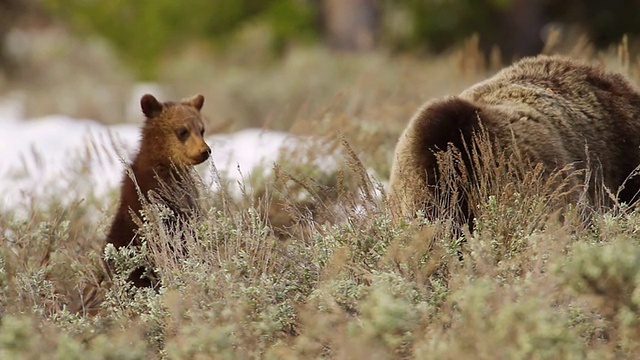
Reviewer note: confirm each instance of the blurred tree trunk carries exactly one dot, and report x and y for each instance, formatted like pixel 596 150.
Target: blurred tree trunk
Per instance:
pixel 350 25
pixel 10 11
pixel 524 20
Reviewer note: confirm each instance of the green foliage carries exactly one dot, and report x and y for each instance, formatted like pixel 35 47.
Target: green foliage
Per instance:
pixel 437 25
pixel 143 31
pixel 492 326
pixel 389 314
pixel 290 19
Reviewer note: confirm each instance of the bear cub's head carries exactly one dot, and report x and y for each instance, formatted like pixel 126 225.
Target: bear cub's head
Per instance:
pixel 176 129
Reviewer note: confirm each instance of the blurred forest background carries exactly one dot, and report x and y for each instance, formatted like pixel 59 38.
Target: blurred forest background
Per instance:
pixel 95 46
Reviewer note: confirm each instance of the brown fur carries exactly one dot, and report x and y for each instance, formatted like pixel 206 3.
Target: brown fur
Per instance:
pixel 171 142
pixel 550 109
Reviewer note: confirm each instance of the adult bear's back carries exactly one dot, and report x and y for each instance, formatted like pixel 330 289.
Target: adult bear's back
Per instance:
pixel 556 111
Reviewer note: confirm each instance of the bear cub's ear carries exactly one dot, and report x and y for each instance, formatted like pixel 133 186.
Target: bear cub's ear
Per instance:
pixel 150 106
pixel 196 101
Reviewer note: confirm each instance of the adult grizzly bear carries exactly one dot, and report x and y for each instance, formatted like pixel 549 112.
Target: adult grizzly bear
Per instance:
pixel 551 110
pixel 171 144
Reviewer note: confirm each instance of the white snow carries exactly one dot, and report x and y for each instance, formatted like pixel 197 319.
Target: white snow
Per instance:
pixel 59 155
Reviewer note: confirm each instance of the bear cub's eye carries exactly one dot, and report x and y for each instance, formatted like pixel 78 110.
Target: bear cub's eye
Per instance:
pixel 202 133
pixel 183 134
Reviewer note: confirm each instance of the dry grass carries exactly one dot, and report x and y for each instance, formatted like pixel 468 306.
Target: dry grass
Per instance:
pixel 308 264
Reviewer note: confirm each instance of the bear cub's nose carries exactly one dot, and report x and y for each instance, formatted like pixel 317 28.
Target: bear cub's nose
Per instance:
pixel 207 151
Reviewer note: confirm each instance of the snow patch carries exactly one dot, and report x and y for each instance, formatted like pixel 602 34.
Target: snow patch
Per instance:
pixel 59 155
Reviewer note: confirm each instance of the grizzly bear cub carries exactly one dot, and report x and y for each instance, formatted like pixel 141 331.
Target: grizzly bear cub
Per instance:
pixel 171 144
pixel 548 110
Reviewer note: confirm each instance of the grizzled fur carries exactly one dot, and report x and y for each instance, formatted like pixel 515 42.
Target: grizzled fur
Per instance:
pixel 552 110
pixel 171 143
